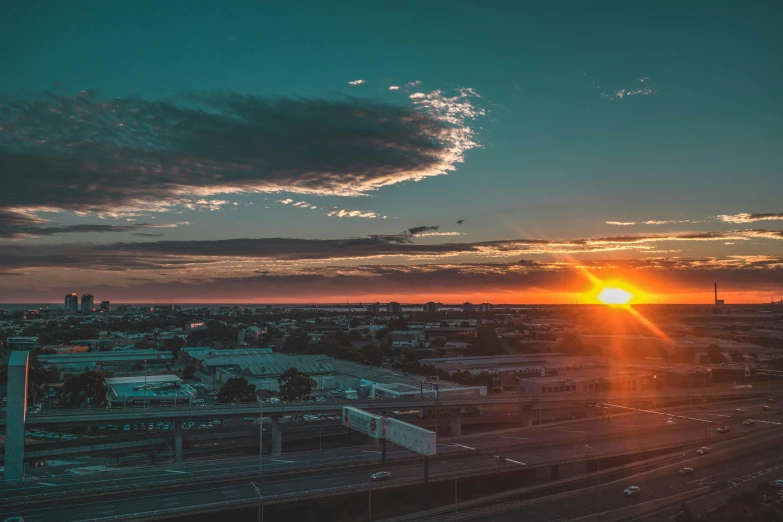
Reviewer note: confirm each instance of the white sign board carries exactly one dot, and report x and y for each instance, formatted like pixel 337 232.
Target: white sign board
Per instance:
pixel 409 436
pixel 362 421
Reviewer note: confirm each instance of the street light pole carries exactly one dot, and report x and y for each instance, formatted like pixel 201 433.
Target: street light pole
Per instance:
pixel 260 505
pixel 260 435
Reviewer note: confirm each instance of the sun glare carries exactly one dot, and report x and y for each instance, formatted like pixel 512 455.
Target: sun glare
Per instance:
pixel 614 296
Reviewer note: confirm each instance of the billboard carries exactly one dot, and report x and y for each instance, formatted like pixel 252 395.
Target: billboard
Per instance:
pixel 409 436
pixel 362 421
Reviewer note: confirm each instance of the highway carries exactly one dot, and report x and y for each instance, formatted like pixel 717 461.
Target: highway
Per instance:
pixel 725 464
pixel 561 433
pixel 522 447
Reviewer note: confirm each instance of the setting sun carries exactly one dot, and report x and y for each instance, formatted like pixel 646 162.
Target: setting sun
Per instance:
pixel 614 296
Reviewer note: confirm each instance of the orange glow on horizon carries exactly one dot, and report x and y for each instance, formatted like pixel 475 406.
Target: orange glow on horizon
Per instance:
pixel 614 296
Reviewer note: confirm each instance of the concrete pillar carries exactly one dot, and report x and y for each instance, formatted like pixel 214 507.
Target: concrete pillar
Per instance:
pixel 527 417
pixel 178 442
pixel 543 474
pixel 572 469
pixel 16 412
pixel 277 437
pixel 455 422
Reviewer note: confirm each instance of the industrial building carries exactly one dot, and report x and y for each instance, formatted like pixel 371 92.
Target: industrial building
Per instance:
pixel 125 359
pixel 585 382
pixel 152 389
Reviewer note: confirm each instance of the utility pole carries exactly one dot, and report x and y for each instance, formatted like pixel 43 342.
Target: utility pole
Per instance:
pixel 260 436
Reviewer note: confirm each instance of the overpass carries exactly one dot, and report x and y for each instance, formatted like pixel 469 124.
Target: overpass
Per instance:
pixel 524 406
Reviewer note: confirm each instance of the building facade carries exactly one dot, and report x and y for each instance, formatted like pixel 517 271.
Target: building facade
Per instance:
pixel 87 303
pixel 71 303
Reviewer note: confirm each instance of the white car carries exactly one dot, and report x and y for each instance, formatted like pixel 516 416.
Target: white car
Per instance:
pixel 632 491
pixel 671 422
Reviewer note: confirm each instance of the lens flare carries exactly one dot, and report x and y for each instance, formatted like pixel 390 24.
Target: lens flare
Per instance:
pixel 615 296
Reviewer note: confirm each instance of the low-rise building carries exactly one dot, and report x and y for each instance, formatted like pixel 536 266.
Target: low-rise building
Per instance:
pixel 407 338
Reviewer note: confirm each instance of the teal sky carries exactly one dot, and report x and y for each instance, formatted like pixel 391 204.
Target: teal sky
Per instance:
pixel 592 112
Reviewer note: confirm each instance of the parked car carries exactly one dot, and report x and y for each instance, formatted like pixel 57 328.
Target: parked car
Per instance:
pixel 380 476
pixel 739 411
pixel 703 450
pixel 722 429
pixel 767 408
pixel 632 491
pixel 749 422
pixel 778 483
pixel 685 471
pixel 671 422
pixel 38 464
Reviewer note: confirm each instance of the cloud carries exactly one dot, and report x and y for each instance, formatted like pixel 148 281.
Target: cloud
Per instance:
pixel 305 204
pixel 619 94
pixel 216 256
pixel 285 201
pixel 341 212
pixel 128 155
pixel 460 221
pixel 750 218
pixel 505 280
pixel 394 87
pixel 426 234
pixel 147 234
pixel 21 226
pixel 418 230
pixel 357 82
pixel 621 223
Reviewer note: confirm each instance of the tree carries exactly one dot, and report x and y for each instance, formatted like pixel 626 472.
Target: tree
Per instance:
pixel 142 345
pixel 87 388
pixel 295 385
pixel 53 374
pixel 189 371
pixel 297 342
pixel 36 378
pixel 174 345
pixel 736 356
pixel 714 354
pixel 380 334
pixel 237 389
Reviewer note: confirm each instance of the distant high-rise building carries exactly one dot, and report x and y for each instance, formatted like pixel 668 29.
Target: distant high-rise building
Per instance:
pixel 72 303
pixel 485 307
pixel 394 308
pixel 105 306
pixel 87 303
pixel 430 308
pixel 374 308
pixel 468 307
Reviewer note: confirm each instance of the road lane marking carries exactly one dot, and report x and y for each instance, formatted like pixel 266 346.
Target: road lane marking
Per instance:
pixel 466 447
pixel 516 438
pixel 175 471
pixel 718 415
pixel 287 461
pixel 516 462
pixel 47 484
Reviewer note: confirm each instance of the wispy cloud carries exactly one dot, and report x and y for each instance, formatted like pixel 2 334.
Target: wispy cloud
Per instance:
pixel 286 201
pixel 641 89
pixel 305 204
pixel 341 212
pixel 621 223
pixel 750 218
pixel 357 82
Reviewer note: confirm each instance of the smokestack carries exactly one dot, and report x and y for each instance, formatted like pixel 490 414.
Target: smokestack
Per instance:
pixel 716 292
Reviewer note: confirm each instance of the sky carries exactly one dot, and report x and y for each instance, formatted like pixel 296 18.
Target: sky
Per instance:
pixel 283 152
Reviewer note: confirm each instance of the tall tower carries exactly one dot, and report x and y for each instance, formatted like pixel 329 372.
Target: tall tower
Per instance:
pixel 71 303
pixel 87 303
pixel 717 301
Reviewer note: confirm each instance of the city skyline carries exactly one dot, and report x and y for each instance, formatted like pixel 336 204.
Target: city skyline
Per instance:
pixel 313 154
